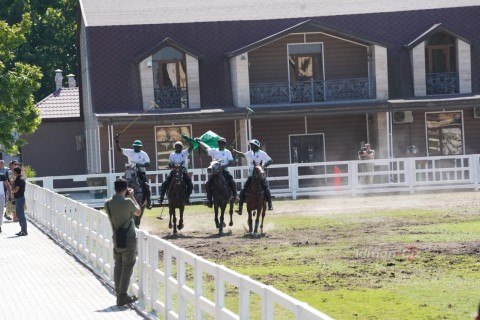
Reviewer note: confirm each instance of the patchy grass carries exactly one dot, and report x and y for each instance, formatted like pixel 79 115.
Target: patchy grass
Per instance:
pixel 354 264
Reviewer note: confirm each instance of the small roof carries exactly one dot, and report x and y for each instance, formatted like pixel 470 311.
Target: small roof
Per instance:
pixel 63 103
pixel 126 12
pixel 435 28
pixel 306 26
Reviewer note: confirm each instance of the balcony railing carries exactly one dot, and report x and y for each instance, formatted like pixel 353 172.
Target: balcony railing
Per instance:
pixel 311 91
pixel 442 83
pixel 172 97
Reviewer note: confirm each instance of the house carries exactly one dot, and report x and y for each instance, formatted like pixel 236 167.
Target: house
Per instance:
pixel 320 77
pixel 57 148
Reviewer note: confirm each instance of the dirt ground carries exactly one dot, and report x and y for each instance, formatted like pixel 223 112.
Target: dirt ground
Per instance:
pixel 200 236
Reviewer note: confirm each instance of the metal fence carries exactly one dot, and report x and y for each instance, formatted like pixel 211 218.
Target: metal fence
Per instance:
pixel 407 175
pixel 171 283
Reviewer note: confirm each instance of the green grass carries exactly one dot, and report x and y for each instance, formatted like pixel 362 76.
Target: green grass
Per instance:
pixel 328 273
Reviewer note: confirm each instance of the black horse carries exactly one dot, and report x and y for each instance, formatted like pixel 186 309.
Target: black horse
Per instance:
pixel 133 181
pixel 256 200
pixel 221 194
pixel 177 198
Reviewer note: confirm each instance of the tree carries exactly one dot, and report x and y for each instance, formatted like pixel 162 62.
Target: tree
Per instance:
pixel 51 42
pixel 18 83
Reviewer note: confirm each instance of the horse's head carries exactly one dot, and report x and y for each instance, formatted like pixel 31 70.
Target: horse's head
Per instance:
pixel 177 173
pixel 258 170
pixel 215 167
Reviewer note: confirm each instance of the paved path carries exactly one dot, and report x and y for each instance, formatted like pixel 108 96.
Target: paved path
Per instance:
pixel 40 280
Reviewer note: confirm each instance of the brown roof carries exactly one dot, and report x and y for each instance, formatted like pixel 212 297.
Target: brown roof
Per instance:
pixel 63 103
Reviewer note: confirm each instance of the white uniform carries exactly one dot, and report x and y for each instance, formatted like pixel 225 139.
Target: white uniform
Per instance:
pixel 136 157
pixel 258 156
pixel 180 158
pixel 225 156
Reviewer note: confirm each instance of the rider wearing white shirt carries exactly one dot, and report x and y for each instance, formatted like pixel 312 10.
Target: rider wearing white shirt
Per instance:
pixel 226 159
pixel 257 155
pixel 178 157
pixel 140 159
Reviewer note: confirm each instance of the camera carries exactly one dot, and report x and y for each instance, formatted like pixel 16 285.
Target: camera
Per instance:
pixel 362 150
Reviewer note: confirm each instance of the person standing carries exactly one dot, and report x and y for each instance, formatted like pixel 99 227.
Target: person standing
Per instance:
pixel 4 193
pixel 178 157
pixel 120 210
pixel 254 155
pixel 4 171
pixel 367 153
pixel 141 160
pixel 19 197
pixel 226 159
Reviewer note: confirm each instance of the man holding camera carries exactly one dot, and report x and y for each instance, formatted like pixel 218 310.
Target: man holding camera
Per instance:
pixel 366 153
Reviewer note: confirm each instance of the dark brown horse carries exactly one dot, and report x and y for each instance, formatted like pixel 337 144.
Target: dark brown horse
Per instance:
pixel 133 181
pixel 176 198
pixel 221 193
pixel 256 200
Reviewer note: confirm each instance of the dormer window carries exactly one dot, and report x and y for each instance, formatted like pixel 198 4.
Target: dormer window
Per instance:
pixel 440 64
pixel 170 78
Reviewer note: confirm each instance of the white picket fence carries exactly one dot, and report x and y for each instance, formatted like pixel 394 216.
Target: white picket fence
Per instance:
pixel 171 283
pixel 407 175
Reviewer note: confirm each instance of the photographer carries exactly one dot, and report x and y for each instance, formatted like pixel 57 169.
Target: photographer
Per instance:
pixel 366 153
pixel 120 210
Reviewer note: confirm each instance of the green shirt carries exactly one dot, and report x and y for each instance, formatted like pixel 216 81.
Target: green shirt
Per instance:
pixel 119 210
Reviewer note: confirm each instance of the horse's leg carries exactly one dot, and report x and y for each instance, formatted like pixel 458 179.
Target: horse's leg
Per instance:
pixel 171 215
pixel 222 216
pixel 257 219
pixel 174 221
pixel 221 224
pixel 263 216
pixel 217 224
pixel 180 222
pixel 231 213
pixel 250 220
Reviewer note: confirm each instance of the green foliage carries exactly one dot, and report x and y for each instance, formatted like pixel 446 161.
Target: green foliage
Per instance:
pixel 18 82
pixel 29 171
pixel 51 42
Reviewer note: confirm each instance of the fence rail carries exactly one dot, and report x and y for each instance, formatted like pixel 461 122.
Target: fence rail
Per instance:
pixel 171 283
pixel 408 175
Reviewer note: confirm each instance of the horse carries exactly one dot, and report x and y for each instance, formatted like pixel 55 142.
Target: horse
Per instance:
pixel 255 199
pixel 221 194
pixel 133 181
pixel 177 198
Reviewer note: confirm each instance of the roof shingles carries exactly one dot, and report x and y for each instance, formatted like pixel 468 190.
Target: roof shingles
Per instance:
pixel 62 104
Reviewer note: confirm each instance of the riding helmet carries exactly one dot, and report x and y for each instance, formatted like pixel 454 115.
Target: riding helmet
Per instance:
pixel 137 143
pixel 178 143
pixel 222 140
pixel 255 142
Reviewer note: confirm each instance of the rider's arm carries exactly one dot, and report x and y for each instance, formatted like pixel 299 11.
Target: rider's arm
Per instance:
pixel 237 152
pixel 117 143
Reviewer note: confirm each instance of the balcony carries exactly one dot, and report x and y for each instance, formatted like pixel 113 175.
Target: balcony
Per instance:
pixel 172 98
pixel 442 83
pixel 311 91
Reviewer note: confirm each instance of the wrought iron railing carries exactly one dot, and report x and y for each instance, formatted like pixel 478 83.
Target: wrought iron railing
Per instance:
pixel 311 91
pixel 442 83
pixel 171 97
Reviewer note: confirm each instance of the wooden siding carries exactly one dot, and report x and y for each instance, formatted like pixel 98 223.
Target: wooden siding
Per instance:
pixel 342 59
pixel 342 135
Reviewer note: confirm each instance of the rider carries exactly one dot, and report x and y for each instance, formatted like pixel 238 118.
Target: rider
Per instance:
pixel 255 155
pixel 226 159
pixel 140 159
pixel 179 156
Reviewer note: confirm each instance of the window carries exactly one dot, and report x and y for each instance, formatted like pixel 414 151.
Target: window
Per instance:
pixel 306 148
pixel 170 78
pixel 165 137
pixel 305 62
pixel 444 133
pixel 441 64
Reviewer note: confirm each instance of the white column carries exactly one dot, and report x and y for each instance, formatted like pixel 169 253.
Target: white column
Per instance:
pixel 417 58
pixel 379 55
pixel 464 66
pixel 240 81
pixel 193 83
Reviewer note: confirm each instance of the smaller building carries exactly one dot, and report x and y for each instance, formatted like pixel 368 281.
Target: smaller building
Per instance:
pixel 58 146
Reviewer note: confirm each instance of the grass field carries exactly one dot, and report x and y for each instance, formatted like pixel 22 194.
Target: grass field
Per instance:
pixel 402 257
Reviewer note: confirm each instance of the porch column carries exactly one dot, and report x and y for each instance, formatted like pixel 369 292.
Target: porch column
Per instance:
pixel 380 120
pixel 240 80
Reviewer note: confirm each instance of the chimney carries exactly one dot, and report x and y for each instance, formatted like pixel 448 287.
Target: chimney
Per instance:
pixel 58 79
pixel 71 81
